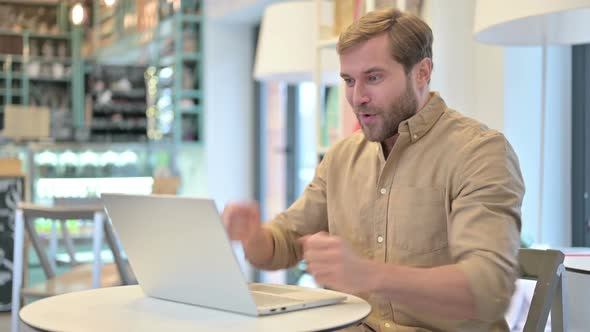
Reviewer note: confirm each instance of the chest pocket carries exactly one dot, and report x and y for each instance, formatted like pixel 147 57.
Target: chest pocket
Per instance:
pixel 419 219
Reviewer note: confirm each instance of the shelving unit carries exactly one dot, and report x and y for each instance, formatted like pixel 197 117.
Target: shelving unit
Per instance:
pixel 38 63
pixel 180 54
pixel 117 95
pixel 167 38
pixel 329 104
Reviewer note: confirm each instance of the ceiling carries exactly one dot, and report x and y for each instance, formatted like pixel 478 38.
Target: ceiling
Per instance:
pixel 237 11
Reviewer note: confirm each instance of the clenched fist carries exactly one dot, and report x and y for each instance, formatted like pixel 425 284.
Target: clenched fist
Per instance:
pixel 333 263
pixel 242 221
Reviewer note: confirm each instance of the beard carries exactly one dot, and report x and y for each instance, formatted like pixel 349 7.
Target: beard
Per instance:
pixel 401 109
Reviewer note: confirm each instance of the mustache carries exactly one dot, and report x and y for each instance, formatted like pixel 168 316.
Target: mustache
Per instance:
pixel 366 110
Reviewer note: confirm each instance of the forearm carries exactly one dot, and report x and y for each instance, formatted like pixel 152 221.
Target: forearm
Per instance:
pixel 260 249
pixel 442 291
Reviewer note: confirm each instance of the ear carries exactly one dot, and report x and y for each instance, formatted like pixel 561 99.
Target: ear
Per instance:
pixel 423 70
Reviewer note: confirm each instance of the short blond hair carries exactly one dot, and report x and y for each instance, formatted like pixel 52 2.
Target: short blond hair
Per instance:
pixel 410 38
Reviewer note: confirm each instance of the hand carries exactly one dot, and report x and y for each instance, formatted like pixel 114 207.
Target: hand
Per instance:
pixel 242 221
pixel 332 263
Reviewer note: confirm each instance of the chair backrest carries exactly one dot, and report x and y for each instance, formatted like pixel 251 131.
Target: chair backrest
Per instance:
pixel 545 266
pixel 11 167
pixel 166 185
pixel 76 201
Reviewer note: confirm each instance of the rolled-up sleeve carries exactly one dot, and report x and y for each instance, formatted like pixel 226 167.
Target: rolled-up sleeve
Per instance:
pixel 485 223
pixel 308 215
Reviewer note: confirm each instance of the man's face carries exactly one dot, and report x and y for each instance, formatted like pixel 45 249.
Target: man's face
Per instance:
pixel 377 88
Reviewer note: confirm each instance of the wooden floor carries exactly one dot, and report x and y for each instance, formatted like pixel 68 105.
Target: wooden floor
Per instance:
pixel 4 321
pixel 5 324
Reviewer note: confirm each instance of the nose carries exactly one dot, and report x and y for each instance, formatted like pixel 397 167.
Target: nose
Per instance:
pixel 359 95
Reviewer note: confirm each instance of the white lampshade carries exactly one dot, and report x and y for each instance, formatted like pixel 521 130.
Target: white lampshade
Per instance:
pixel 286 45
pixel 532 22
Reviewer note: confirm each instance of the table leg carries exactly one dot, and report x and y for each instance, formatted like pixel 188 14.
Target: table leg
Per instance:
pixel 52 252
pixel 559 308
pixel 17 268
pixel 97 246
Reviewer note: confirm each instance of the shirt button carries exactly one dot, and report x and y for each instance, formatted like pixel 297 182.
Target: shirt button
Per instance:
pixel 415 136
pixel 387 325
pixel 379 238
pixel 383 191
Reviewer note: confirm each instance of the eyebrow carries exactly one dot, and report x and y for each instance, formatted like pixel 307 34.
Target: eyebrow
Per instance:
pixel 368 71
pixel 373 70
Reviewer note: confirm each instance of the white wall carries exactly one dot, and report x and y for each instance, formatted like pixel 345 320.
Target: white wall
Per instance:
pixel 522 126
pixel 468 75
pixel 229 111
pixel 557 212
pixel 232 11
pixel 229 115
pixel 501 87
pixel 191 163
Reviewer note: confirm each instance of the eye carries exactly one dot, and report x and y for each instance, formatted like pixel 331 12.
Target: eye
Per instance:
pixel 348 81
pixel 374 78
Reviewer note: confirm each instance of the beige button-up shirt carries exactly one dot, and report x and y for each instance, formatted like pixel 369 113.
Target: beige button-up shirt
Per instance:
pixel 450 192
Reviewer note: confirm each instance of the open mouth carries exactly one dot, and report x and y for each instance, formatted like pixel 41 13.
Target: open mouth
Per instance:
pixel 367 118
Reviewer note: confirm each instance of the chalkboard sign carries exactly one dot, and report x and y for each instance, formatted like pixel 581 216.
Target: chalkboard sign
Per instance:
pixel 11 192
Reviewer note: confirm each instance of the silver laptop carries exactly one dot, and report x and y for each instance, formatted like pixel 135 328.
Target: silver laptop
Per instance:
pixel 179 250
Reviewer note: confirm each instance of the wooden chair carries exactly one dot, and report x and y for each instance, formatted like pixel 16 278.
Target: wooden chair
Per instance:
pixel 167 185
pixel 545 266
pixel 80 277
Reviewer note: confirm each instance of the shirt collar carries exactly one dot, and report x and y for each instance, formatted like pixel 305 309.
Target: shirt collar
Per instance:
pixel 419 124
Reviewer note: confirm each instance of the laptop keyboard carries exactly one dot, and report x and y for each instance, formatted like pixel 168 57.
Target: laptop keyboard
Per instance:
pixel 270 289
pixel 262 299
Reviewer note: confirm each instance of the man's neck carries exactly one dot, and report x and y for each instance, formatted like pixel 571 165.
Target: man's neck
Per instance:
pixel 388 144
pixel 423 98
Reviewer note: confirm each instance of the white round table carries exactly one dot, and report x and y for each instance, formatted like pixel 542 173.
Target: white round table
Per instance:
pixel 577 260
pixel 577 288
pixel 127 308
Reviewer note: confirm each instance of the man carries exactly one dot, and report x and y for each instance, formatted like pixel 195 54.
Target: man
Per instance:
pixel 419 214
